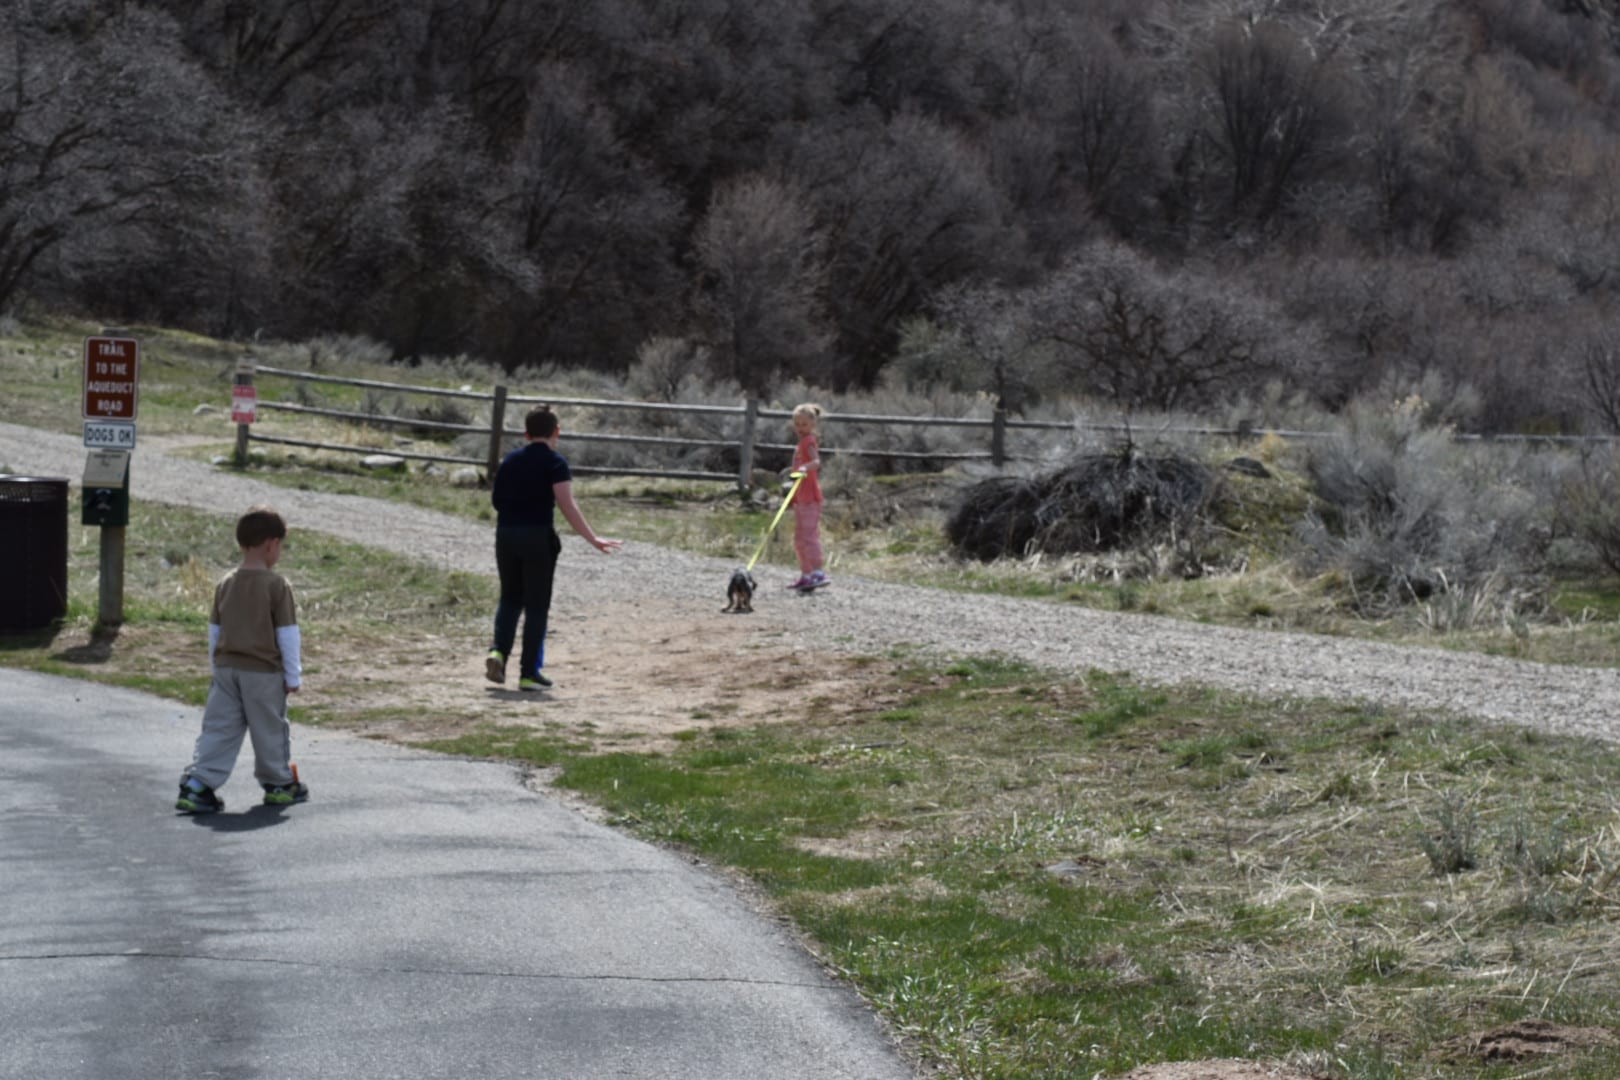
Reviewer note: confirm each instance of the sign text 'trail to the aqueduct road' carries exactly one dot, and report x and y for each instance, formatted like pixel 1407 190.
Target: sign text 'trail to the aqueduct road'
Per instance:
pixel 111 376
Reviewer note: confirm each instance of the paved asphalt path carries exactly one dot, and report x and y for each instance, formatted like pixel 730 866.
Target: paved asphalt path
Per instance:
pixel 420 917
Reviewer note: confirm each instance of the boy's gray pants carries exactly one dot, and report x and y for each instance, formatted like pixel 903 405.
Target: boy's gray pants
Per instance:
pixel 252 703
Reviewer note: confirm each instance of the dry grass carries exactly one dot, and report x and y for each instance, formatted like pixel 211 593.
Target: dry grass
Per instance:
pixel 1039 879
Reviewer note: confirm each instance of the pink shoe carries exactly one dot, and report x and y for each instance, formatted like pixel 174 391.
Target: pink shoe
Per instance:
pixel 804 579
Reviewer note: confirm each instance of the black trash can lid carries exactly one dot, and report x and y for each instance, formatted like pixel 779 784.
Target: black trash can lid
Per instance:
pixel 32 488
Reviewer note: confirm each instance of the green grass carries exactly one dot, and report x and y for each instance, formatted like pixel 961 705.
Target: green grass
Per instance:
pixel 508 741
pixel 1245 878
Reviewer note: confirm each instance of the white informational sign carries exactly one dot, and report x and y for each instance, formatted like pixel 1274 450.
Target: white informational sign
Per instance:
pixel 109 434
pixel 106 469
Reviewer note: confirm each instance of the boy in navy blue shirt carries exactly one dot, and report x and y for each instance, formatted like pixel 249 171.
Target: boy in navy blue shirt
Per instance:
pixel 532 482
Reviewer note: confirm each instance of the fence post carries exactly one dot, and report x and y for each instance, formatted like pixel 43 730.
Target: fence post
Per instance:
pixel 998 436
pixel 497 431
pixel 244 377
pixel 745 454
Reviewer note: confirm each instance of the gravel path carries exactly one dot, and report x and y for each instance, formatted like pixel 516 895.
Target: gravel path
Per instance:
pixel 857 615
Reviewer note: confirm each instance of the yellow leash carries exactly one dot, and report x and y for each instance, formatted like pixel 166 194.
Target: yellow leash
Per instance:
pixel 798 478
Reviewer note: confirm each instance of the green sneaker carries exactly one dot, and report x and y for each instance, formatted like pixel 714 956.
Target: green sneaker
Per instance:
pixel 536 681
pixel 286 794
pixel 198 800
pixel 495 666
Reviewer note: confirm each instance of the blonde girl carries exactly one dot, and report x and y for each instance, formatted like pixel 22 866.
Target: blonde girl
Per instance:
pixel 807 501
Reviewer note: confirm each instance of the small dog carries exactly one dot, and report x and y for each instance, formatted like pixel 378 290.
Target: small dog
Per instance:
pixel 740 593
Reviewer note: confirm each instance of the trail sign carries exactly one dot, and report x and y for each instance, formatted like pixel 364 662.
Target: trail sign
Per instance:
pixel 111 378
pixel 244 404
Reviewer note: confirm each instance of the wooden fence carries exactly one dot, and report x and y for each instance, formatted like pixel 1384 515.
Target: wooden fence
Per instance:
pixel 497 434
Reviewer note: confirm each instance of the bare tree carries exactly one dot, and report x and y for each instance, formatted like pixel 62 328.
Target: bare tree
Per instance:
pixel 345 214
pixel 1600 370
pixel 996 328
pixel 1276 110
pixel 1109 127
pixel 307 57
pixel 1077 147
pixel 1149 338
pixel 701 85
pixel 1372 314
pixel 908 206
pixel 762 268
pixel 106 131
pixel 901 56
pixel 491 54
pixel 592 216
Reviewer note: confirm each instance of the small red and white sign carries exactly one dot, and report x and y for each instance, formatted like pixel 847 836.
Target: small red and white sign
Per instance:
pixel 244 404
pixel 111 378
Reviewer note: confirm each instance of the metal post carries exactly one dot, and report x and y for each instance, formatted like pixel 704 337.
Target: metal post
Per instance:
pixel 745 453
pixel 497 431
pixel 244 377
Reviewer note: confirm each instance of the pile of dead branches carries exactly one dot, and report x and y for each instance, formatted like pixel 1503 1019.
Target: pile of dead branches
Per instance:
pixel 1093 503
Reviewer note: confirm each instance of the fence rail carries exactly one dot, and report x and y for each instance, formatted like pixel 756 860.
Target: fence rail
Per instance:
pixel 746 445
pixel 498 433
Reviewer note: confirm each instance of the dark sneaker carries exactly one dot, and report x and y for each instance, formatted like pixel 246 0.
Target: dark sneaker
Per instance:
pixel 495 666
pixel 537 681
pixel 198 800
pixel 286 794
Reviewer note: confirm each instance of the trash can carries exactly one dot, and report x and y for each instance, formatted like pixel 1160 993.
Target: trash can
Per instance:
pixel 33 551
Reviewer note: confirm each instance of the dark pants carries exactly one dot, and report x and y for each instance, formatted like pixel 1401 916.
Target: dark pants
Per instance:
pixel 526 559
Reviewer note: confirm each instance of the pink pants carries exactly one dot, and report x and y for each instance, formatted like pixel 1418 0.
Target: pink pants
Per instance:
pixel 807 534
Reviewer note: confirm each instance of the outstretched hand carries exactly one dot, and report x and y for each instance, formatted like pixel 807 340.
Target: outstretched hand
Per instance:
pixel 605 544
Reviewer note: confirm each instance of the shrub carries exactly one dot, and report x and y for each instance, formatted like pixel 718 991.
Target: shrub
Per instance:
pixel 1408 513
pixel 666 369
pixel 1451 844
pixel 438 410
pixel 1587 507
pixel 344 352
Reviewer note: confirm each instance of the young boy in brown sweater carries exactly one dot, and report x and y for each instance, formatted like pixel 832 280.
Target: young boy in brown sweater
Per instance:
pixel 254 649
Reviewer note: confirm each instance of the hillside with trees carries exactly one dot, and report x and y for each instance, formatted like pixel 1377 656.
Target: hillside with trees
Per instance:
pixel 1153 203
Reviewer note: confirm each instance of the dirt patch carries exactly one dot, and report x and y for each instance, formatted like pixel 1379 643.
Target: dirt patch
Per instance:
pixel 1525 1040
pixel 629 676
pixel 857 845
pixel 1220 1069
